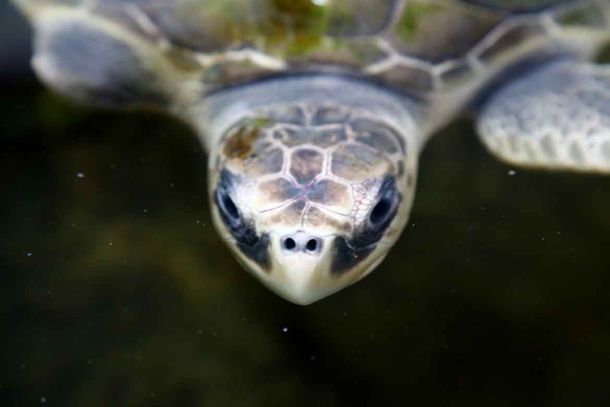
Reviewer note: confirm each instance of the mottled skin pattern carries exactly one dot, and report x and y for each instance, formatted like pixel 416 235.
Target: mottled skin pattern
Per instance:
pixel 314 112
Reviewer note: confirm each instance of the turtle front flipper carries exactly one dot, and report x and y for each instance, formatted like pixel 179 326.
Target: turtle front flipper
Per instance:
pixel 555 118
pixel 93 59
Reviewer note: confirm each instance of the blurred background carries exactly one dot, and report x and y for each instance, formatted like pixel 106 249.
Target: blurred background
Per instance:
pixel 116 290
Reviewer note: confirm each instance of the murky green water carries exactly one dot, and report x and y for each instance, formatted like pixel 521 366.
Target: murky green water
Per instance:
pixel 115 289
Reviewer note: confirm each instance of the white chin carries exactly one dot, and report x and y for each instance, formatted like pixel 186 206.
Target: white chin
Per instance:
pixel 302 280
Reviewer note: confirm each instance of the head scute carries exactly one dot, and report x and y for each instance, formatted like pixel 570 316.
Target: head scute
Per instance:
pixel 324 156
pixel 322 182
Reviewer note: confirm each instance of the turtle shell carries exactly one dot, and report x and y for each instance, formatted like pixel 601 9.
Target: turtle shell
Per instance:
pixel 414 45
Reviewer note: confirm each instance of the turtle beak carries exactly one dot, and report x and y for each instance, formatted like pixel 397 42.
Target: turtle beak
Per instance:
pixel 298 273
pixel 297 279
pixel 302 273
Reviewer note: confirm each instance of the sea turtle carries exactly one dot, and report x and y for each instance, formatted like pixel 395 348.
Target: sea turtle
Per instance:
pixel 314 112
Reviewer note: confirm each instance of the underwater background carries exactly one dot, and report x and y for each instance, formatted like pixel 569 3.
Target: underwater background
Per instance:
pixel 116 290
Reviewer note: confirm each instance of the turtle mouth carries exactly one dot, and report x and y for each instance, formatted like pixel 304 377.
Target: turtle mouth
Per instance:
pixel 302 276
pixel 258 251
pixel 347 256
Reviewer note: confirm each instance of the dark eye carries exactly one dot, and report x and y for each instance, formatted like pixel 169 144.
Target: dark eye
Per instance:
pixel 242 231
pixel 228 206
pixel 380 211
pixel 228 209
pixel 379 218
pixel 385 206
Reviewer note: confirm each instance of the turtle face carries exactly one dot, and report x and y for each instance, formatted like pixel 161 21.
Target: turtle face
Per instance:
pixel 311 199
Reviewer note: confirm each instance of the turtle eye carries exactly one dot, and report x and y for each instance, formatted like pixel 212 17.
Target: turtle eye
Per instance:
pixel 385 206
pixel 229 211
pixel 242 231
pixel 380 211
pixel 227 207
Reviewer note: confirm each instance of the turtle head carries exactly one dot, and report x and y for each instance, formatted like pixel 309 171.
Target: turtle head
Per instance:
pixel 311 198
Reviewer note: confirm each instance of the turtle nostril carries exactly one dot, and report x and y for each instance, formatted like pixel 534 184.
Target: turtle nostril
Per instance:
pixel 300 242
pixel 290 244
pixel 312 245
